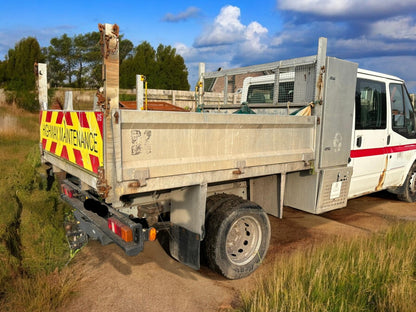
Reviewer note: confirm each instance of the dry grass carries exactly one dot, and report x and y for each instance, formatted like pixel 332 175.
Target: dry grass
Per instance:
pixel 33 248
pixel 16 123
pixel 43 292
pixel 364 274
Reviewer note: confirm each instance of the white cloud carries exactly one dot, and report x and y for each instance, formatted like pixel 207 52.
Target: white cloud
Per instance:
pixel 349 8
pixel 226 29
pixel 232 39
pixel 190 12
pixel 225 43
pixel 362 43
pixel 315 6
pixel 253 35
pixel 212 56
pixel 230 43
pixel 367 46
pixel 402 27
pixel 290 34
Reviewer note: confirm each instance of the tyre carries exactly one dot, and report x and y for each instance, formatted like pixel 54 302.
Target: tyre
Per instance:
pixel 237 237
pixel 409 188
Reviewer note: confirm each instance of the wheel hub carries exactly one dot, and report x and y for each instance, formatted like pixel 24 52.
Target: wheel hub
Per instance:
pixel 243 240
pixel 412 183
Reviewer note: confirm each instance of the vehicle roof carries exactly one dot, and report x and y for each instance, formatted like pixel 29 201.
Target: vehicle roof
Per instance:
pixel 290 75
pixel 377 74
pixel 270 77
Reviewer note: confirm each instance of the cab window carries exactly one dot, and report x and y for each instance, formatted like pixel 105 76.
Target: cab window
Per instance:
pixel 370 105
pixel 260 93
pixel 402 114
pixel 263 93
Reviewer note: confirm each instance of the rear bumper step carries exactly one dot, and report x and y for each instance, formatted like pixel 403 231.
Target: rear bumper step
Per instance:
pixel 97 227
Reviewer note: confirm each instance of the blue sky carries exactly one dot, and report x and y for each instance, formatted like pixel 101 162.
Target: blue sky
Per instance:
pixel 379 35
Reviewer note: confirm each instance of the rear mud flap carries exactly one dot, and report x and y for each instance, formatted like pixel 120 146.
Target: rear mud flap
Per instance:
pixel 185 246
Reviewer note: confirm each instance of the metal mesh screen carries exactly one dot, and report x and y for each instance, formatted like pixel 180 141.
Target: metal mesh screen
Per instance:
pixel 304 88
pixel 279 84
pixel 263 91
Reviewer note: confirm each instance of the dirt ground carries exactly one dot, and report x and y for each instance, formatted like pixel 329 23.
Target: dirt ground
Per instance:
pixel 152 281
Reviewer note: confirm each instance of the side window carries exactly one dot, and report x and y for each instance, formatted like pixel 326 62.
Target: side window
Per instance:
pixel 260 93
pixel 403 116
pixel 370 105
pixel 263 93
pixel 286 91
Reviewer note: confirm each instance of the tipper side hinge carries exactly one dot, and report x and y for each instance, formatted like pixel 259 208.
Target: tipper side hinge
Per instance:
pixel 102 187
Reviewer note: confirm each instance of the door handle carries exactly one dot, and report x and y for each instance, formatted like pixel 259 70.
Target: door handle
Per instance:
pixel 388 139
pixel 359 141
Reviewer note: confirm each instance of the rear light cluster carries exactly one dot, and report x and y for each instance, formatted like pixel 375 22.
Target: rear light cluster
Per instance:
pixel 122 230
pixel 125 232
pixel 67 190
pixel 152 232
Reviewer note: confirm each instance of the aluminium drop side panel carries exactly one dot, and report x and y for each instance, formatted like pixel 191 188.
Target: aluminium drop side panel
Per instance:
pixel 337 113
pixel 164 150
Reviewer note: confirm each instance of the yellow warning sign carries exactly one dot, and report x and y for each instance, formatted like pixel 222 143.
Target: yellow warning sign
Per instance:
pixel 74 136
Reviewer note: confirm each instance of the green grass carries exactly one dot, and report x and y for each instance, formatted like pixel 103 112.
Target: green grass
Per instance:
pixel 376 273
pixel 33 247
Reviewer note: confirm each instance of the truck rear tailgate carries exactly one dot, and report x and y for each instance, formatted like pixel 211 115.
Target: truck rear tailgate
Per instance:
pixel 73 141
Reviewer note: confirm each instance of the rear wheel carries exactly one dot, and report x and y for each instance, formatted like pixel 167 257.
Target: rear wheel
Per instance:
pixel 409 187
pixel 237 237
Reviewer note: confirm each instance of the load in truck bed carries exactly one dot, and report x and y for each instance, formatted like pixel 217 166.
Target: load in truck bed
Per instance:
pixel 152 106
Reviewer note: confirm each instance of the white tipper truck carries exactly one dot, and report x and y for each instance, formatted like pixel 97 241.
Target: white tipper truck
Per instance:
pixel 209 179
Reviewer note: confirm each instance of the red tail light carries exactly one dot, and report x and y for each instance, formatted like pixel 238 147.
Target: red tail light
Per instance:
pixel 67 190
pixel 120 229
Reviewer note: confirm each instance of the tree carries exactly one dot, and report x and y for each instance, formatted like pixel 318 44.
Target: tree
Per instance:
pixel 61 59
pixel 171 70
pixel 18 73
pixel 143 62
pixel 88 57
pixel 3 66
pixel 126 47
pixel 163 68
pixel 76 61
pixel 19 64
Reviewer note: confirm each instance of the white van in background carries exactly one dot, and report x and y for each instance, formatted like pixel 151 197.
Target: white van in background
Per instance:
pixel 260 90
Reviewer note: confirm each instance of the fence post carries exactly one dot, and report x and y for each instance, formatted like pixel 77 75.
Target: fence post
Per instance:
pixel 42 80
pixel 139 92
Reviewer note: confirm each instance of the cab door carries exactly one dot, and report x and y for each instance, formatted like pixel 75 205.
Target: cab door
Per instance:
pixel 370 138
pixel 403 134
